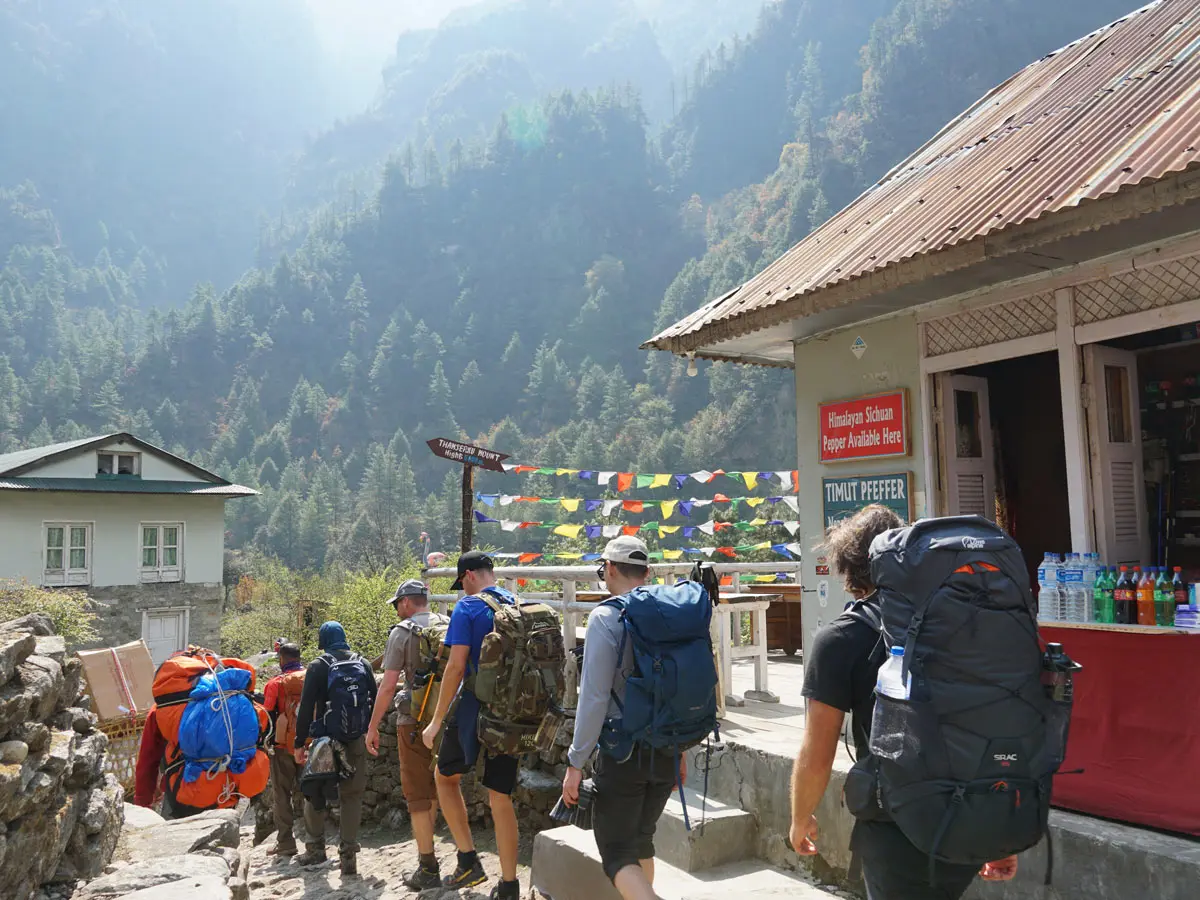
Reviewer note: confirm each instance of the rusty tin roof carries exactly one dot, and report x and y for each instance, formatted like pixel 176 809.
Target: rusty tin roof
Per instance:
pixel 1115 109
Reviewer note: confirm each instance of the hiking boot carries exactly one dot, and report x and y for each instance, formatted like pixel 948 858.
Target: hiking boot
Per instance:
pixel 349 864
pixel 313 855
pixel 465 878
pixel 422 879
pixel 283 848
pixel 506 890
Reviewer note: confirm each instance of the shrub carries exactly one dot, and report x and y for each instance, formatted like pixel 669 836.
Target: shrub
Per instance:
pixel 69 610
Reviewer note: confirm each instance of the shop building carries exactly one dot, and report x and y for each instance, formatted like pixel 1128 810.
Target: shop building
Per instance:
pixel 1007 325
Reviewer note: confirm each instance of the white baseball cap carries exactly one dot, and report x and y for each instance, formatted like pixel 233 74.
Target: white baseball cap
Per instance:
pixel 627 549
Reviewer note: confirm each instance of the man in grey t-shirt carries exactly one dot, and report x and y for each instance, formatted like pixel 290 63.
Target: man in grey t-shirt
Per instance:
pixel 401 659
pixel 630 793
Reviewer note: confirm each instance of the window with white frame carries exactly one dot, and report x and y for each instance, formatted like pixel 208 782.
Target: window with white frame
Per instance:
pixel 162 552
pixel 68 548
pixel 114 464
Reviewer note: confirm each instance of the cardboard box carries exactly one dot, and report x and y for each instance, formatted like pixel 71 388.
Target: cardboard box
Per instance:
pixel 119 680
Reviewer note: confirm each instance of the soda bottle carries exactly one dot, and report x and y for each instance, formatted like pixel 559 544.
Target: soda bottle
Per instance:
pixel 1180 586
pixel 1102 597
pixel 1145 598
pixel 1164 599
pixel 1124 599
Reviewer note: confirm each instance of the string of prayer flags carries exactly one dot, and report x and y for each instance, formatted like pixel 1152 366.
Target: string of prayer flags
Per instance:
pixel 609 506
pixel 597 530
pixel 652 480
pixel 789 551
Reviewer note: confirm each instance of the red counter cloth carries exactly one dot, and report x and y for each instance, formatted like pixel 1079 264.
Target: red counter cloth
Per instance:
pixel 1135 730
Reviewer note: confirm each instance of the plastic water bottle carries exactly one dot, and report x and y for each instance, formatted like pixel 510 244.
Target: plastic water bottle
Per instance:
pixel 1075 600
pixel 1091 576
pixel 890 682
pixel 1048 597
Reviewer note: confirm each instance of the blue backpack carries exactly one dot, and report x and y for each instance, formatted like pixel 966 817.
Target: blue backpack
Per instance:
pixel 350 696
pixel 671 695
pixel 219 727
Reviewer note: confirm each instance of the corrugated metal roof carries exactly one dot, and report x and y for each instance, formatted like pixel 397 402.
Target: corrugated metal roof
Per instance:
pixel 125 486
pixel 16 460
pixel 1116 108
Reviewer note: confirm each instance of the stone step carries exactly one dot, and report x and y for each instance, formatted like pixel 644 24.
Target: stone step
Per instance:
pixel 566 866
pixel 719 834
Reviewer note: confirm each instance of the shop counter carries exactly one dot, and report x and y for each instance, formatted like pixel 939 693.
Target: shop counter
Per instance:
pixel 1135 729
pixel 784 629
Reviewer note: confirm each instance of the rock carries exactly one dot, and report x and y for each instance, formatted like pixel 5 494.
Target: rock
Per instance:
pixel 42 679
pixel 141 875
pixel 238 889
pixel 35 734
pixel 60 755
pixel 35 623
pixel 52 646
pixel 37 841
pixel 73 718
pixel 72 681
pixel 89 759
pixel 370 798
pixel 206 831
pixel 103 808
pixel 15 703
pixel 15 648
pixel 206 887
pixel 141 817
pixel 13 752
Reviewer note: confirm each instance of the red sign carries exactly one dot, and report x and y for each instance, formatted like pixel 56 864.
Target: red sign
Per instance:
pixel 865 427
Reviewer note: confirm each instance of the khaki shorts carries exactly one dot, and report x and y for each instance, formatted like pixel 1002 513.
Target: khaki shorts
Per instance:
pixel 416 769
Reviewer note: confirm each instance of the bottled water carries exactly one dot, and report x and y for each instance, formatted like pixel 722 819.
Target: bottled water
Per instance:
pixel 1074 602
pixel 1091 575
pixel 1048 596
pixel 890 682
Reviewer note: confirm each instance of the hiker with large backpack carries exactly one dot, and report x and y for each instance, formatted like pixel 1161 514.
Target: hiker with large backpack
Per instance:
pixel 647 693
pixel 339 694
pixel 281 700
pixel 957 746
pixel 200 742
pixel 507 657
pixel 417 653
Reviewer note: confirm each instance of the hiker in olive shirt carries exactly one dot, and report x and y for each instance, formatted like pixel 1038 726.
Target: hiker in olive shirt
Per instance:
pixel 401 658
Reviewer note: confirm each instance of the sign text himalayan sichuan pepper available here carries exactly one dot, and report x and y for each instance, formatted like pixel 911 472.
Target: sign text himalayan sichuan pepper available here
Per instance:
pixel 864 427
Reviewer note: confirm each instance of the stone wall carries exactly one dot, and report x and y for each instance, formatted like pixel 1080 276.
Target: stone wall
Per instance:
pixel 60 816
pixel 119 612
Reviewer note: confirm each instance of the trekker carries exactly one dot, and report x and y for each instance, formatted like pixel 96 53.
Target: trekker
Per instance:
pixel 629 796
pixel 840 673
pixel 401 659
pixel 339 690
pixel 470 623
pixel 281 699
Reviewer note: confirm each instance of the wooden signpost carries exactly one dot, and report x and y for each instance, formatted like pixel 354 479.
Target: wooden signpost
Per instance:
pixel 470 456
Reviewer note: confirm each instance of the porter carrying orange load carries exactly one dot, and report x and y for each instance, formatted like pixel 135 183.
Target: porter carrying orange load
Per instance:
pixel 202 734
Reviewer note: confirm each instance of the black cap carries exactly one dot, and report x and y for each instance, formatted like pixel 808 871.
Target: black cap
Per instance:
pixel 471 561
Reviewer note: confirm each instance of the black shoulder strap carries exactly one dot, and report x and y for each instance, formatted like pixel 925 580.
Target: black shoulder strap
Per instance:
pixel 866 611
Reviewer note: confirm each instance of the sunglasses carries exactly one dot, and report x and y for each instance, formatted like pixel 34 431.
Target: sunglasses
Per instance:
pixel 601 569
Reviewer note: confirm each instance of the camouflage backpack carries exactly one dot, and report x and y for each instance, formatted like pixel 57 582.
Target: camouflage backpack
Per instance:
pixel 520 673
pixel 427 679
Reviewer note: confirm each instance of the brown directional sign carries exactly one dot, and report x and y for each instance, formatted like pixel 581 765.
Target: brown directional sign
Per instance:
pixel 467 454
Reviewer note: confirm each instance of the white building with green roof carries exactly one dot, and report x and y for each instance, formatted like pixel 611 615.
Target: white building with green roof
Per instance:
pixel 140 529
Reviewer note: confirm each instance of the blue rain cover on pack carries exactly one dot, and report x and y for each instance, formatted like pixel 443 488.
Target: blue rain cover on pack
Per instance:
pixel 209 720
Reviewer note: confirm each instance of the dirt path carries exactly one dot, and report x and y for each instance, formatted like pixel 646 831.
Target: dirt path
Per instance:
pixel 386 857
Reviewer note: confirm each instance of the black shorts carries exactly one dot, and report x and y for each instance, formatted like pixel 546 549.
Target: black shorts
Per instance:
pixel 630 798
pixel 894 869
pixel 499 771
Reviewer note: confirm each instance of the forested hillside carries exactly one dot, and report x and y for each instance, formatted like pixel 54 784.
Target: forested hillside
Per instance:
pixel 497 288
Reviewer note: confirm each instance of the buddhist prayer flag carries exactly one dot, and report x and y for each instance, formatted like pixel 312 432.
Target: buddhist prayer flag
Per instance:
pixel 660 481
pixel 624 481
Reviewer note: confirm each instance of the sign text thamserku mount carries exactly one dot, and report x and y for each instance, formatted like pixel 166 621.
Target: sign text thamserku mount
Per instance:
pixel 864 427
pixel 468 454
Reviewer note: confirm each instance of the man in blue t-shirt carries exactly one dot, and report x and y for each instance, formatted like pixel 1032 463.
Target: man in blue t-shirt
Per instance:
pixel 470 623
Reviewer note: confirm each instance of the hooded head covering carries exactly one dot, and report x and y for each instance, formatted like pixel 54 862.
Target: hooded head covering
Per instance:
pixel 332 636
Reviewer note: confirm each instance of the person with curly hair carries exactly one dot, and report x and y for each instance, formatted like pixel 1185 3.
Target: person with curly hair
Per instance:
pixel 840 671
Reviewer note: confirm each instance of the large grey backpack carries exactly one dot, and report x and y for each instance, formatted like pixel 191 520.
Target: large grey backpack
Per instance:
pixel 965 764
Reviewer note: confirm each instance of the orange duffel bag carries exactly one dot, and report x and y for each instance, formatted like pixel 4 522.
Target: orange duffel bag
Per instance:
pixel 240 769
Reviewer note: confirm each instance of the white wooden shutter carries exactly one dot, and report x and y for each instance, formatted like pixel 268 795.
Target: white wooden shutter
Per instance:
pixel 966 421
pixel 1115 437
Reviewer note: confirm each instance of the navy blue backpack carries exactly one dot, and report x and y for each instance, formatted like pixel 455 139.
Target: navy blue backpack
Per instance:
pixel 671 695
pixel 350 698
